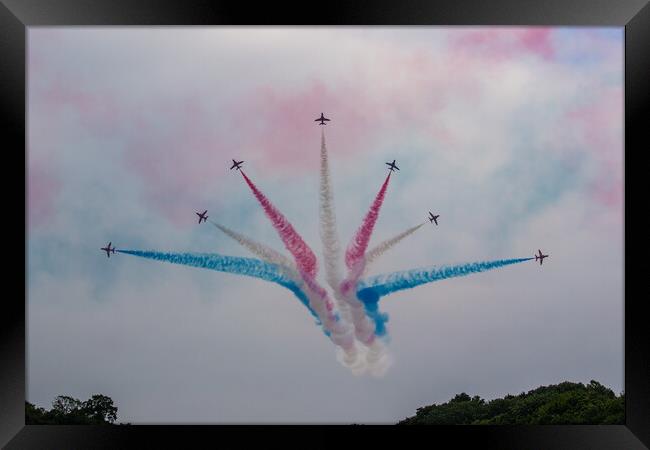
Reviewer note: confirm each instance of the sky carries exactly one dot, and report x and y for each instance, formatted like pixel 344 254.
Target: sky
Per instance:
pixel 513 135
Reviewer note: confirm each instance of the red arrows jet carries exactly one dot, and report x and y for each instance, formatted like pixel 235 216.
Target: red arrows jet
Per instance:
pixel 540 257
pixel 236 164
pixel 108 249
pixel 202 216
pixel 392 166
pixel 322 119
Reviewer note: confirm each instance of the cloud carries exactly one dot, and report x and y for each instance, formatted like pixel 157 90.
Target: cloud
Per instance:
pixel 498 44
pixel 44 187
pixel 178 136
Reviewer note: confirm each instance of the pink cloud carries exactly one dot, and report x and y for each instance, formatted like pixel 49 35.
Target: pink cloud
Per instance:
pixel 179 145
pixel 504 43
pixel 403 91
pixel 537 40
pixel 178 151
pixel 176 145
pixel 43 188
pixel 280 124
pixel 98 111
pixel 598 125
pixel 178 155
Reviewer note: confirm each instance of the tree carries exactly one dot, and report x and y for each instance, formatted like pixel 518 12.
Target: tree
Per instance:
pixel 35 415
pixel 64 404
pixel 97 410
pixel 563 403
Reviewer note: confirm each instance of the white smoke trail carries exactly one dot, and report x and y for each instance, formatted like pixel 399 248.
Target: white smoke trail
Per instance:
pixel 263 251
pixel 341 331
pixel 355 260
pixel 377 359
pixel 364 328
pixel 329 233
pixel 355 360
pixel 386 245
pixel 332 249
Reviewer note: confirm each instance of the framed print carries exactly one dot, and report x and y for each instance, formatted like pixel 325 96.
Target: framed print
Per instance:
pixel 412 214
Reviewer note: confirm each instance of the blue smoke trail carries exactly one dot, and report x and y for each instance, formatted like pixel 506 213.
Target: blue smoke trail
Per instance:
pixel 371 290
pixel 231 264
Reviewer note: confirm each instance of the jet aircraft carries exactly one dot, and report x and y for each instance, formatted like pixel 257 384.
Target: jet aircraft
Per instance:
pixel 322 119
pixel 202 216
pixel 392 166
pixel 540 257
pixel 108 249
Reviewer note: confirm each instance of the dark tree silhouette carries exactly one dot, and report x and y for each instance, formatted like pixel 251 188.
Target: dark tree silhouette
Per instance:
pixel 564 403
pixel 64 404
pixel 97 410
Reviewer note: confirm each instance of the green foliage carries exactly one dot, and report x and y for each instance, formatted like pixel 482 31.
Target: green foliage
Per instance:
pixel 564 403
pixel 97 410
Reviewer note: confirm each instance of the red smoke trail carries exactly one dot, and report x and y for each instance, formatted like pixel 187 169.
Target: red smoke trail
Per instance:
pixel 357 247
pixel 307 266
pixel 355 260
pixel 304 256
pixel 316 288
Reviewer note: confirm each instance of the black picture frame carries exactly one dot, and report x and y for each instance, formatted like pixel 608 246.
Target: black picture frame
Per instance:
pixel 17 15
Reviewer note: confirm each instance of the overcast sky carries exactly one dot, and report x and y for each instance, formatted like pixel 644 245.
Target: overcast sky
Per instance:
pixel 513 135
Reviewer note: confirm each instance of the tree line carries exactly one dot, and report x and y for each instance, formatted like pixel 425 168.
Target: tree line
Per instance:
pixel 563 403
pixel 66 410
